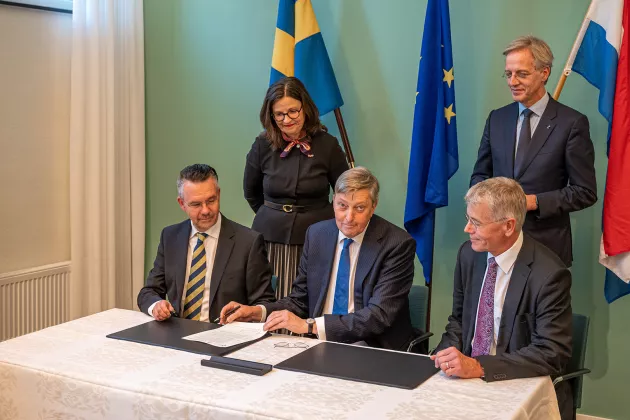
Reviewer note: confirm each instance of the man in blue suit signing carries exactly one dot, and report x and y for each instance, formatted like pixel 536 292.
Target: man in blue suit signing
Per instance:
pixel 354 276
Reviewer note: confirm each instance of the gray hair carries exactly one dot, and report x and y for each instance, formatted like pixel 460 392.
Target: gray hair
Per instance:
pixel 543 57
pixel 198 172
pixel 355 179
pixel 504 196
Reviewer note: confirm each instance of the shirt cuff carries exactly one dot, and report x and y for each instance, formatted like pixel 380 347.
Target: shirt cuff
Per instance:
pixel 150 311
pixel 263 316
pixel 321 328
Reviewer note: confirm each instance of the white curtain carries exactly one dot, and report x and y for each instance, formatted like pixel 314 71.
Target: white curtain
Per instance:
pixel 107 155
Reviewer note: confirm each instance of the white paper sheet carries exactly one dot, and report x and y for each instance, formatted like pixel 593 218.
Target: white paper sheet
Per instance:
pixel 230 334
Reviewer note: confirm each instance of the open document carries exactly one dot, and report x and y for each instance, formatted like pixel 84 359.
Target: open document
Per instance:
pixel 230 334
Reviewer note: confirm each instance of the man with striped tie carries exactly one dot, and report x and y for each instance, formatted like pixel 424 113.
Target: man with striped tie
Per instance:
pixel 206 261
pixel 511 297
pixel 354 275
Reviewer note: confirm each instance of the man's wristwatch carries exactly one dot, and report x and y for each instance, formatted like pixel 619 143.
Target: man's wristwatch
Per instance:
pixel 309 323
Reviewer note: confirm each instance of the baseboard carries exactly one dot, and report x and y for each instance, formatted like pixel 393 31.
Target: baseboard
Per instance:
pixel 586 417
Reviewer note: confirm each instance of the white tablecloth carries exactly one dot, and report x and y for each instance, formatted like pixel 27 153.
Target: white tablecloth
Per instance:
pixel 72 371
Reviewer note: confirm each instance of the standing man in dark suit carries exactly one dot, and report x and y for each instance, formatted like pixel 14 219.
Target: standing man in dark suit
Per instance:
pixel 511 297
pixel 544 145
pixel 207 261
pixel 353 278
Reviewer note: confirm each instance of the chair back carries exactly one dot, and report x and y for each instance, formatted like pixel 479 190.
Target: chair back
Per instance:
pixel 580 335
pixel 274 282
pixel 418 302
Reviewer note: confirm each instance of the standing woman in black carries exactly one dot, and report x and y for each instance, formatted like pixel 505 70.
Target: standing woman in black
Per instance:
pixel 289 173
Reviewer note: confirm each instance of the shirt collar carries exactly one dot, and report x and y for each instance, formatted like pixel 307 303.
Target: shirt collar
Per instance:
pixel 538 108
pixel 358 239
pixel 213 231
pixel 507 259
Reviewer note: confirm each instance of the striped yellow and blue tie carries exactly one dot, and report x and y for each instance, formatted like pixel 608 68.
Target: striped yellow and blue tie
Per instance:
pixel 196 280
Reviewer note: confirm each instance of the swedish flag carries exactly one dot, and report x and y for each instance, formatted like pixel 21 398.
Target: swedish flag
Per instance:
pixel 299 51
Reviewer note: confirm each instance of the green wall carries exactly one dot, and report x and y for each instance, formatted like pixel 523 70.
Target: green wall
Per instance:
pixel 207 69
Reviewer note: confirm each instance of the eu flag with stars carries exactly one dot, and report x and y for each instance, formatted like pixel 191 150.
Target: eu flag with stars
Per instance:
pixel 299 51
pixel 434 157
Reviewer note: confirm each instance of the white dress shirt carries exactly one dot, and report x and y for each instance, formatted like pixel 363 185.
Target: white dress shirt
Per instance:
pixel 354 249
pixel 210 244
pixel 505 263
pixel 537 111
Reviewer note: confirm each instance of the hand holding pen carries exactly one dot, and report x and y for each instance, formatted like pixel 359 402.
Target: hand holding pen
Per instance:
pixel 242 313
pixel 227 314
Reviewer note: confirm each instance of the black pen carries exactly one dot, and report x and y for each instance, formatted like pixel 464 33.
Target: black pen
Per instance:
pixel 228 313
pixel 174 314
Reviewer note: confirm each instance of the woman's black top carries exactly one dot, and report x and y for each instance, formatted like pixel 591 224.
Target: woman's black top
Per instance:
pixel 294 180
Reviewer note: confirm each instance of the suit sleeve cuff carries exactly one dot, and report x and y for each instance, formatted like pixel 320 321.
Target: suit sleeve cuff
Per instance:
pixel 263 316
pixel 321 328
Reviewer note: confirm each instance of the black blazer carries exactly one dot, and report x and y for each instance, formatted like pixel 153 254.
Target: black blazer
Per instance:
pixel 559 169
pixel 535 332
pixel 383 278
pixel 240 272
pixel 295 179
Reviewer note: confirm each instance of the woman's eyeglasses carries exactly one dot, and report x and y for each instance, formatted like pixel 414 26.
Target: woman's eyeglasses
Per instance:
pixel 293 114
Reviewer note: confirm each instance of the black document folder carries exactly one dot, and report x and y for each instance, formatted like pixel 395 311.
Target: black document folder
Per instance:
pixel 169 334
pixel 363 364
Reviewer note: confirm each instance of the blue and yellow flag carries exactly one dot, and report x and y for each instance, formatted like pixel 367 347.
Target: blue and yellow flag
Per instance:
pixel 434 157
pixel 299 50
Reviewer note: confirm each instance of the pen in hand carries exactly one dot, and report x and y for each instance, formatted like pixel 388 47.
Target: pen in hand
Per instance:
pixel 228 313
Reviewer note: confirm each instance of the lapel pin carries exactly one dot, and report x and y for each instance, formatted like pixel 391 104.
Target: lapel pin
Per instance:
pixel 549 126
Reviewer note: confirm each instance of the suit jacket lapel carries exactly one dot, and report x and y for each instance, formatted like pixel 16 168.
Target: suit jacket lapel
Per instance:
pixel 518 280
pixel 327 249
pixel 370 247
pixel 479 271
pixel 182 239
pixel 510 134
pixel 543 130
pixel 225 245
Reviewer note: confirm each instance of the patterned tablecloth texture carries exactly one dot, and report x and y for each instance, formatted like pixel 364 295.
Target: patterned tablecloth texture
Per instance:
pixel 72 371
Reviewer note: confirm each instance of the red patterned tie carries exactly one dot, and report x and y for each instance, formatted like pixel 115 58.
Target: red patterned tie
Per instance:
pixel 484 329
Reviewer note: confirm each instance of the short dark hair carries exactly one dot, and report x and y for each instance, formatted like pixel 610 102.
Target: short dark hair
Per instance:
pixel 290 87
pixel 199 172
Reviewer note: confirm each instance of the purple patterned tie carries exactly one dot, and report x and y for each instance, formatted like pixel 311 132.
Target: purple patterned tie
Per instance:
pixel 484 330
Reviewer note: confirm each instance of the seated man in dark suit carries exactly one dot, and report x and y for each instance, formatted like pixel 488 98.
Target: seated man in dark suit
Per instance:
pixel 354 275
pixel 511 297
pixel 207 261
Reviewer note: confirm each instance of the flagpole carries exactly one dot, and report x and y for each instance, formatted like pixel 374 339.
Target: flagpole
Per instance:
pixel 344 137
pixel 576 46
pixel 430 284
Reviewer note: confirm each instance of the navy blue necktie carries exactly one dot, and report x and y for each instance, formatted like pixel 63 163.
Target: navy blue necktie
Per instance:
pixel 524 138
pixel 340 307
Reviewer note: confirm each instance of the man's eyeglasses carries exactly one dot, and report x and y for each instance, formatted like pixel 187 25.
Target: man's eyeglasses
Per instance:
pixel 293 114
pixel 477 224
pixel 287 345
pixel 520 75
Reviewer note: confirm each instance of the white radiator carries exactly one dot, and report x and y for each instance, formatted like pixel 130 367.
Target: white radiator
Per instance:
pixel 33 299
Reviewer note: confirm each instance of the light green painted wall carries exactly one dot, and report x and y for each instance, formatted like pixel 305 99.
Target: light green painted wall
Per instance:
pixel 207 69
